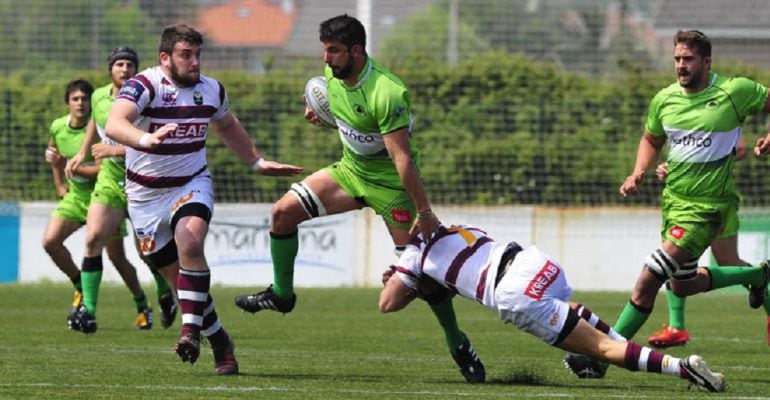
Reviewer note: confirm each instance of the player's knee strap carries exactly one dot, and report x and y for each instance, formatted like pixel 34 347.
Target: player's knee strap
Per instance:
pixel 165 256
pixel 199 210
pixel 664 266
pixel 309 200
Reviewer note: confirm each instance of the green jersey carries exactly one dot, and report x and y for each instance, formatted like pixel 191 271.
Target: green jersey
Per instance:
pixel 68 141
pixel 703 129
pixel 101 103
pixel 377 105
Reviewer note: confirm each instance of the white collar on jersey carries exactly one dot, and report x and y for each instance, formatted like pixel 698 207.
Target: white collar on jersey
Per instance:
pixel 366 74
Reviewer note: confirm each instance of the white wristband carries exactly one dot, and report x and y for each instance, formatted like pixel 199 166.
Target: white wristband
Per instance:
pixel 257 164
pixel 144 141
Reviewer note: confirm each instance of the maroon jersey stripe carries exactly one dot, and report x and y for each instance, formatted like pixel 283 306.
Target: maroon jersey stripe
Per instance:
pixel 147 84
pixel 482 285
pixel 161 181
pixel 181 112
pixel 461 258
pixel 176 148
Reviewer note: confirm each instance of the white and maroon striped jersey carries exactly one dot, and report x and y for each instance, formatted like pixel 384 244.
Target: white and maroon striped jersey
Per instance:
pixel 182 154
pixel 461 258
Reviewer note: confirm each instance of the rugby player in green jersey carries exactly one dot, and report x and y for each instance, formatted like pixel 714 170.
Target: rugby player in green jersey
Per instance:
pixel 67 134
pixel 725 252
pixel 701 116
pixel 378 169
pixel 106 224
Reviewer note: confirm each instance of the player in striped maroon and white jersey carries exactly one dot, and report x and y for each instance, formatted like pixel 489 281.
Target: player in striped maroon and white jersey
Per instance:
pixel 182 153
pixel 163 115
pixel 529 290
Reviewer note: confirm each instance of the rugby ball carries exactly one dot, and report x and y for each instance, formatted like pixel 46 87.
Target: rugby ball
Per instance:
pixel 318 101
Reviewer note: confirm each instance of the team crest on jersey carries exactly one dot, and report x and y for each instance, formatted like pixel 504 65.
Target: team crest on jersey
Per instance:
pixel 359 110
pixel 677 232
pixel 397 113
pixel 198 97
pixel 712 104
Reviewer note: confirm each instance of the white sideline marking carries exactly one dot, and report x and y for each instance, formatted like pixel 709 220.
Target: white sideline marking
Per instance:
pixel 697 394
pixel 733 339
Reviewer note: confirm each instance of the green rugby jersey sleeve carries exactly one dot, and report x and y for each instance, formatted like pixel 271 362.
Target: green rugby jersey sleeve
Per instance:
pixel 749 96
pixel 392 107
pixel 57 127
pixel 654 124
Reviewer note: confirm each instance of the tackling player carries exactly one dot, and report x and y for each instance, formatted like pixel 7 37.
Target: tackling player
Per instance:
pixel 378 169
pixel 529 290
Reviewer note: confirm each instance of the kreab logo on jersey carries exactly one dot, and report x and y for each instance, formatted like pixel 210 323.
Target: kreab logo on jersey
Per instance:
pixel 542 281
pixel 677 232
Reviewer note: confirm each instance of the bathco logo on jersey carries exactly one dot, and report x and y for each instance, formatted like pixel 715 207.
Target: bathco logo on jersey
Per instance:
pixel 691 141
pixel 356 136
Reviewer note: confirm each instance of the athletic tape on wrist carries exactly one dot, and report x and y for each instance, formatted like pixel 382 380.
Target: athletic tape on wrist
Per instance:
pixel 257 164
pixel 144 141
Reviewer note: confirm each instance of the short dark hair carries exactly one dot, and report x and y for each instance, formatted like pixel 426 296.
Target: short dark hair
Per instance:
pixel 122 53
pixel 75 85
pixel 344 29
pixel 694 38
pixel 174 34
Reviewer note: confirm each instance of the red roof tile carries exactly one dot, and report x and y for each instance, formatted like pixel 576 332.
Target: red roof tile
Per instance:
pixel 246 23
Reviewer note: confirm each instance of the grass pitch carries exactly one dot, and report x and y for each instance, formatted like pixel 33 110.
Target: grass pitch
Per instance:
pixel 336 345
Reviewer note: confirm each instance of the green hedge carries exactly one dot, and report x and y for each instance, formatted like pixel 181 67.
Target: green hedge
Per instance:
pixel 500 129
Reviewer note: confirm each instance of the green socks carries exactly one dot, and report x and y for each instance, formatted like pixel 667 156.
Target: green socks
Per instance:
pixel 91 279
pixel 631 320
pixel 283 250
pixel 675 309
pixel 161 286
pixel 445 313
pixel 729 276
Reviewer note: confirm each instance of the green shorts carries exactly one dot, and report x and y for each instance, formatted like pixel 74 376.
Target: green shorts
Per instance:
pixel 110 187
pixel 73 206
pixel 393 204
pixel 110 190
pixel 692 224
pixel 731 224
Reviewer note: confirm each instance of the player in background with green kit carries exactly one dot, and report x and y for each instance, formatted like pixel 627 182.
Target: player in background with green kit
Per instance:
pixel 725 252
pixel 701 116
pixel 379 169
pixel 66 136
pixel 106 224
